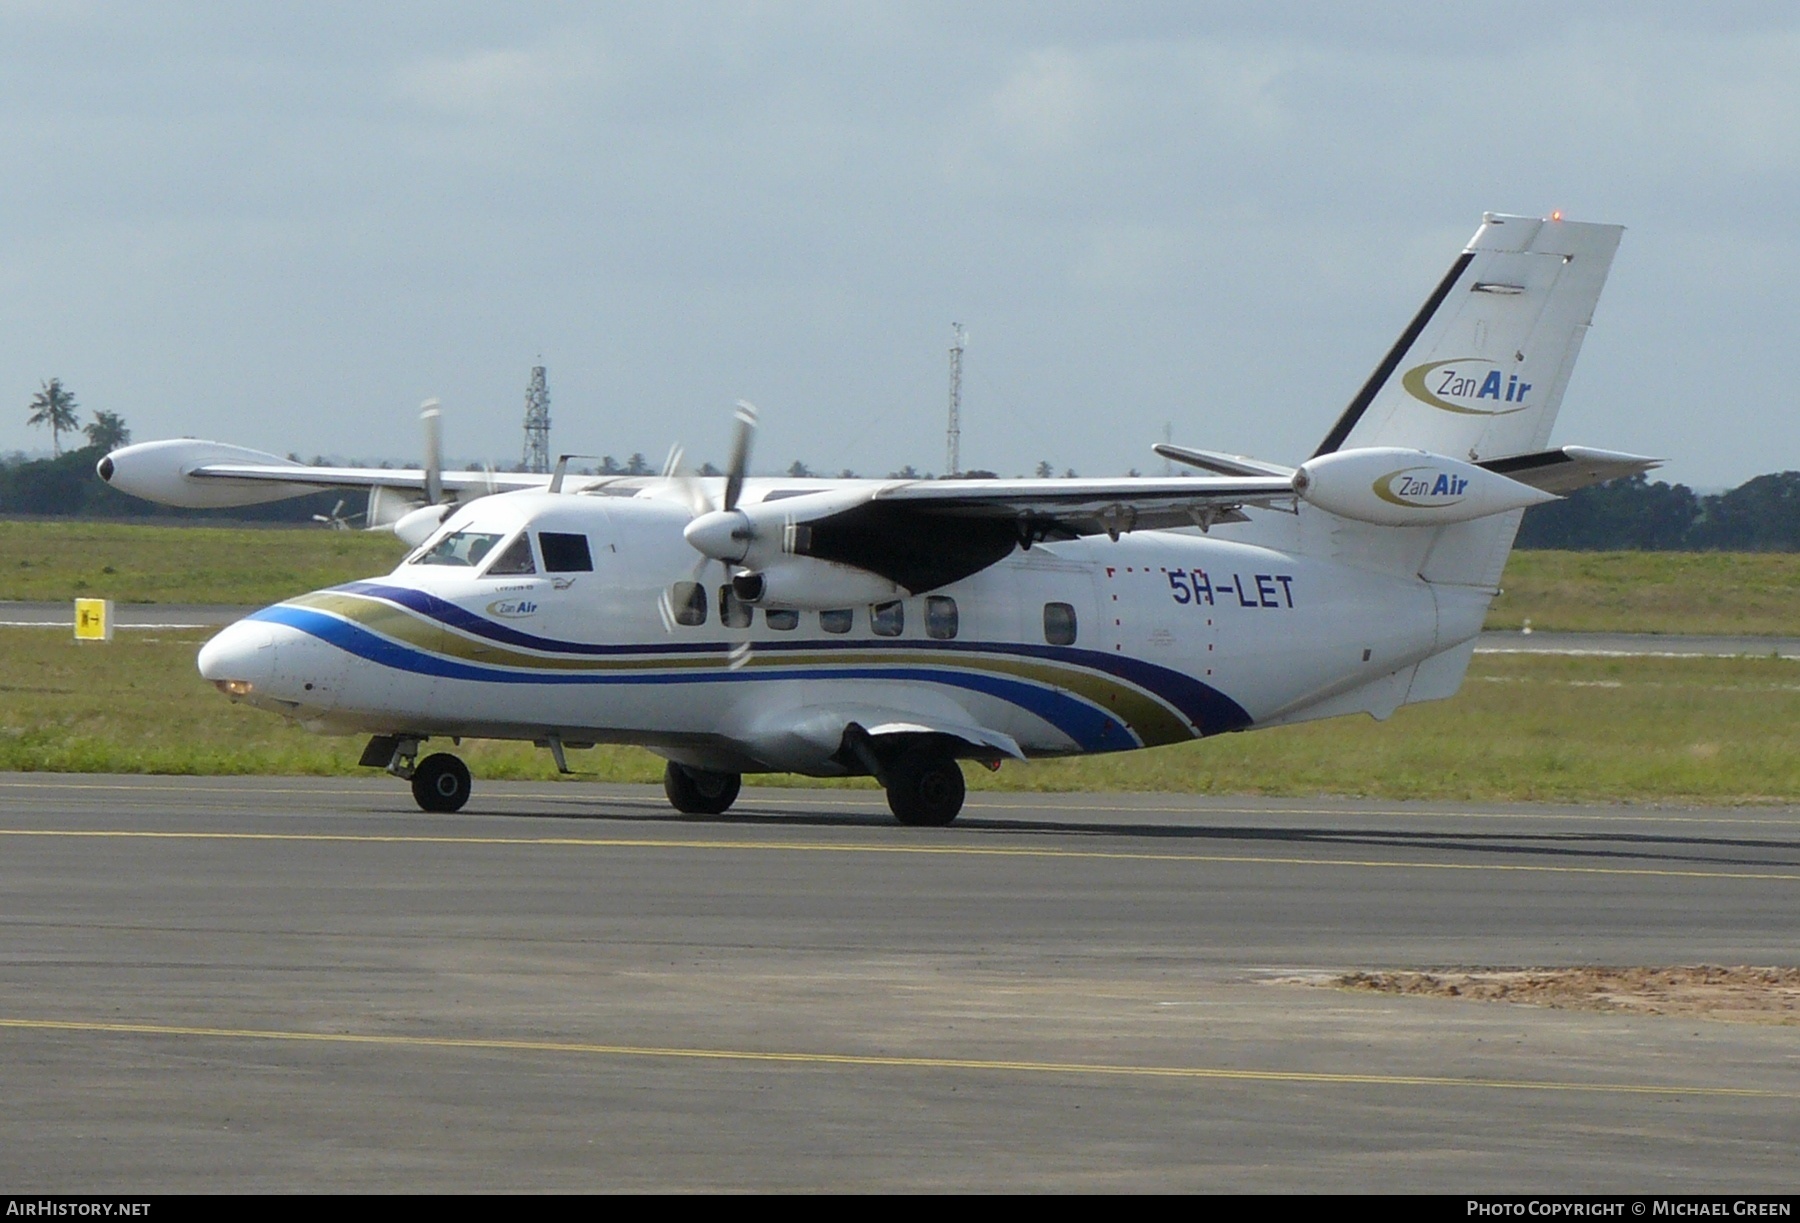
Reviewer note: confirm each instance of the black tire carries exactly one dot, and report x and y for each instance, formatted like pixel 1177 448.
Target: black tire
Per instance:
pixel 699 792
pixel 441 783
pixel 925 788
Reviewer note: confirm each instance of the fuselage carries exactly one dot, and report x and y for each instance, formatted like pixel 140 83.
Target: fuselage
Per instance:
pixel 588 618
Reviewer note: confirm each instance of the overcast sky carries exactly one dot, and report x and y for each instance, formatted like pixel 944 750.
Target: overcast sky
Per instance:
pixel 284 226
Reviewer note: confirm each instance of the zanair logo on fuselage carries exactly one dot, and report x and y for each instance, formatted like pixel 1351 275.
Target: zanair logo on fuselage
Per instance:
pixel 512 609
pixel 1423 488
pixel 1469 386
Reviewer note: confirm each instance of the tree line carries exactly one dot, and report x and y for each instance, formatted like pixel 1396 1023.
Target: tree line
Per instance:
pixel 1760 515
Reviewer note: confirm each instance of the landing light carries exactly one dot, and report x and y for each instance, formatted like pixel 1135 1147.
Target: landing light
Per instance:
pixel 233 687
pixel 1556 215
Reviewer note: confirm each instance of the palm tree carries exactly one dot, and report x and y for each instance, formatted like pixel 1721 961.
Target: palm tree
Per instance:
pixel 55 407
pixel 108 431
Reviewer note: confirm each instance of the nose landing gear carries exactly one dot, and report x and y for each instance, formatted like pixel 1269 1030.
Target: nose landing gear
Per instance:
pixel 441 783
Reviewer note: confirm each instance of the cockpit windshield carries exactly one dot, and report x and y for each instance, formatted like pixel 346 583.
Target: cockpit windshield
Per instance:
pixel 466 548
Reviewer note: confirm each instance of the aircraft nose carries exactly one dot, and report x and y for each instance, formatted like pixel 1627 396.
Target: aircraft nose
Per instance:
pixel 241 659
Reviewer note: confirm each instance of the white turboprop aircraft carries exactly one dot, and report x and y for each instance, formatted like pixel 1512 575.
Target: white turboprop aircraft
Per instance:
pixel 896 627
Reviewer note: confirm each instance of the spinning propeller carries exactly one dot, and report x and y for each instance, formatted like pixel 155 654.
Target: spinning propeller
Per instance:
pixel 724 533
pixel 720 532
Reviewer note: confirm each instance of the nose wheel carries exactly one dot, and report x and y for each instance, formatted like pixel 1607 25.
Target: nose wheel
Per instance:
pixel 441 783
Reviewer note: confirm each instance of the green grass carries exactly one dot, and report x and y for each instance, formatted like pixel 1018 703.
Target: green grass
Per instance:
pixel 1652 592
pixel 158 564
pixel 1524 727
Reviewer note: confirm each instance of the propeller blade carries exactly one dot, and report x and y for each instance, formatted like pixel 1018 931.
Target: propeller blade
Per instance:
pixel 434 461
pixel 740 453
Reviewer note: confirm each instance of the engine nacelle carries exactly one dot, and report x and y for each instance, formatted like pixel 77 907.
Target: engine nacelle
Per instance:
pixel 159 471
pixel 1408 488
pixel 813 585
pixel 419 525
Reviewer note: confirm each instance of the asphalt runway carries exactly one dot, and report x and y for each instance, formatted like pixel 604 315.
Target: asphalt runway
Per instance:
pixel 287 984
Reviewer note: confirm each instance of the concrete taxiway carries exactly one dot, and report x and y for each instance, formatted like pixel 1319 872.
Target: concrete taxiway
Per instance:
pixel 266 984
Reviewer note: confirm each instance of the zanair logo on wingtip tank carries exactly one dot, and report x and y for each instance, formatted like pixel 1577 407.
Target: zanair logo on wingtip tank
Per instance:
pixel 1421 488
pixel 1467 386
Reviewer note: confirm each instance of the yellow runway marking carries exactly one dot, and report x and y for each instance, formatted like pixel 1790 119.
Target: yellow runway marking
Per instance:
pixel 826 847
pixel 871 800
pixel 1116 1070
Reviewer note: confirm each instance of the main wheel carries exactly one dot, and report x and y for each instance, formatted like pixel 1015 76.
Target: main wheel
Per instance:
pixel 925 788
pixel 698 792
pixel 441 783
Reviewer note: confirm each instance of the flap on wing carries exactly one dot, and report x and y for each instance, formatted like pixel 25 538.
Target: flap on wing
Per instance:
pixel 1570 468
pixel 367 477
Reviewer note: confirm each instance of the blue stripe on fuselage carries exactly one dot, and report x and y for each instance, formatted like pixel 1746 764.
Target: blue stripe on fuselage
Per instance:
pixel 1092 729
pixel 1203 705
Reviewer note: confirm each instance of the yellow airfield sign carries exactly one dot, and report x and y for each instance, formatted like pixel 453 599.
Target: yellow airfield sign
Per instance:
pixel 93 620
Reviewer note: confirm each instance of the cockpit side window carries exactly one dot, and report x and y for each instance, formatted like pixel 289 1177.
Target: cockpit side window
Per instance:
pixel 565 553
pixel 465 548
pixel 515 560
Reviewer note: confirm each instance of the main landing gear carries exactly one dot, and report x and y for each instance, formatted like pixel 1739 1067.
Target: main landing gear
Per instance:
pixel 924 788
pixel 698 791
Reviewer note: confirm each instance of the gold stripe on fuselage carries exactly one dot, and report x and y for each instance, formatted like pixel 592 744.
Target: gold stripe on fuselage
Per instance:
pixel 1149 718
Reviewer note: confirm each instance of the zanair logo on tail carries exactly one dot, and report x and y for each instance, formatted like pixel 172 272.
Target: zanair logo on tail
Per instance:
pixel 1467 386
pixel 1421 488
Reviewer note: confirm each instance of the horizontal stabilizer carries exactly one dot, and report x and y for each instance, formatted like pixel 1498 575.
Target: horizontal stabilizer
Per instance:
pixel 1221 464
pixel 1572 467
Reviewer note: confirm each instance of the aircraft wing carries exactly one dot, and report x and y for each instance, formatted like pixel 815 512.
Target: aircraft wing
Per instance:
pixel 928 533
pixel 205 475
pixel 368 477
pixel 1068 508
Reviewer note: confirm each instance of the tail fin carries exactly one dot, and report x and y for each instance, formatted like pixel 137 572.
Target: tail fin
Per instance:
pixel 1480 372
pixel 1478 375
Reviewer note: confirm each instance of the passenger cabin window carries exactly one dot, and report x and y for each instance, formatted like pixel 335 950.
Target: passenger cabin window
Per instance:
pixel 838 620
pixel 732 610
pixel 687 601
pixel 462 548
pixel 515 560
pixel 940 617
pixel 569 554
pixel 888 619
pixel 1059 623
pixel 783 619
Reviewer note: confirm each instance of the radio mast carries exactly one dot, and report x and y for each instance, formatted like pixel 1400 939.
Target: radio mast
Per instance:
pixel 959 337
pixel 537 423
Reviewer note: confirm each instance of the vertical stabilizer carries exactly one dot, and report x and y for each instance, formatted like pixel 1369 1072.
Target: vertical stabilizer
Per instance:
pixel 1480 372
